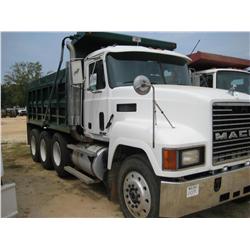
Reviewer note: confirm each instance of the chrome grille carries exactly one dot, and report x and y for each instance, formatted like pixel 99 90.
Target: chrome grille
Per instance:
pixel 231 132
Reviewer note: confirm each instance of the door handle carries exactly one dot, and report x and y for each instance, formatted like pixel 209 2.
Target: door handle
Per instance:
pixel 94 91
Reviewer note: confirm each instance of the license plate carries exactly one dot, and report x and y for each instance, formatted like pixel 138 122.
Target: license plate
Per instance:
pixel 192 190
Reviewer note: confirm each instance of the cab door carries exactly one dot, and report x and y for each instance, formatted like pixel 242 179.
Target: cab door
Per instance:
pixel 95 100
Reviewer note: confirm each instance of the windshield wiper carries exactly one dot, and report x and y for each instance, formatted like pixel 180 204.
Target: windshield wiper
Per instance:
pixel 131 82
pixel 124 83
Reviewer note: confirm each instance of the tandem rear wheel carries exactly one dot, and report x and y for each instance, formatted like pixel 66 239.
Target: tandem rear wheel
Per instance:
pixel 45 150
pixel 60 155
pixel 34 145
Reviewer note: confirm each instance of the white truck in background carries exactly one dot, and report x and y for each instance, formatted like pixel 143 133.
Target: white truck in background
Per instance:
pixel 222 72
pixel 124 113
pixel 228 79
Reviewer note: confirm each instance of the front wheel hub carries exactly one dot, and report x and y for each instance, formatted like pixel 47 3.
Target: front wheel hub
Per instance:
pixel 134 196
pixel 137 195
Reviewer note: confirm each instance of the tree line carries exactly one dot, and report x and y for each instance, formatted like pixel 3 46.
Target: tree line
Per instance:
pixel 16 81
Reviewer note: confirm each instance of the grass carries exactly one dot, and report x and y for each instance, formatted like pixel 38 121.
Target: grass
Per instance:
pixel 13 152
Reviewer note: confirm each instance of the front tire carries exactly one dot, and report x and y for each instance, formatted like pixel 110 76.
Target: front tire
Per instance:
pixel 45 150
pixel 60 155
pixel 138 188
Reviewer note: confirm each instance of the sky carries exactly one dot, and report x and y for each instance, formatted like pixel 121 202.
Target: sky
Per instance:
pixel 44 47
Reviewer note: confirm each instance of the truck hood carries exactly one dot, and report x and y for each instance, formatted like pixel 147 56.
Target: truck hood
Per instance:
pixel 189 106
pixel 204 94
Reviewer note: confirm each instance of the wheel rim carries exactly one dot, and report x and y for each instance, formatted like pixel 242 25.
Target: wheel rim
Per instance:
pixel 57 153
pixel 136 194
pixel 33 145
pixel 43 150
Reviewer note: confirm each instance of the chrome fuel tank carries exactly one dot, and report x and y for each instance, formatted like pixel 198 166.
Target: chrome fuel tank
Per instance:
pixel 91 159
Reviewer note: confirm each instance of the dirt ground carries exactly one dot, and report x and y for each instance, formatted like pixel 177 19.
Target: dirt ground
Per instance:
pixel 40 193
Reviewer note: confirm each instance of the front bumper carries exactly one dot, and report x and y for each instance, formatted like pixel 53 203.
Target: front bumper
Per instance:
pixel 181 198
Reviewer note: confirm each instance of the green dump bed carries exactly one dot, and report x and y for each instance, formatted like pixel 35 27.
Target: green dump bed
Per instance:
pixel 38 99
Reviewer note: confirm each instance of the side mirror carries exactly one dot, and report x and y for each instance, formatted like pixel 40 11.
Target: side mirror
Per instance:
pixel 142 85
pixel 92 82
pixel 76 72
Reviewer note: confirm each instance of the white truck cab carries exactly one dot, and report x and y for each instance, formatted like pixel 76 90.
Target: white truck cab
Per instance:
pixel 223 78
pixel 184 146
pixel 135 122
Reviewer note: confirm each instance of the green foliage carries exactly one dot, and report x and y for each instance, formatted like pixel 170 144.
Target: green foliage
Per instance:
pixel 14 88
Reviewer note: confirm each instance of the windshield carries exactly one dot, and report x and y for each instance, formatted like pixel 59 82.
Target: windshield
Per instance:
pixel 160 69
pixel 228 79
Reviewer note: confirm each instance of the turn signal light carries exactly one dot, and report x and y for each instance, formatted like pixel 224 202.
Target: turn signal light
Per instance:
pixel 169 159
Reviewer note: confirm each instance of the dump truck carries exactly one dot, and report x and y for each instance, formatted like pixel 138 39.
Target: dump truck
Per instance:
pixel 8 195
pixel 124 112
pixel 220 71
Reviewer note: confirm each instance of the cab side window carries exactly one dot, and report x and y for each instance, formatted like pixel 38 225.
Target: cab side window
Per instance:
pixel 210 81
pixel 206 80
pixel 96 76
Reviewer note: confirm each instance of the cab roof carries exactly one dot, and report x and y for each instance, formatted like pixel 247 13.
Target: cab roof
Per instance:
pixel 120 49
pixel 222 69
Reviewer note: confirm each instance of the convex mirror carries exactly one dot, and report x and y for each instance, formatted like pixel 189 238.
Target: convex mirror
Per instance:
pixel 142 85
pixel 76 71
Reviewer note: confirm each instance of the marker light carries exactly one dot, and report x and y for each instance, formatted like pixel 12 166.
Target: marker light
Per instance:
pixel 169 159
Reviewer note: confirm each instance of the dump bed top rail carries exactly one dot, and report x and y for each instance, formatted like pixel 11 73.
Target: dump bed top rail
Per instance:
pixel 88 42
pixel 48 80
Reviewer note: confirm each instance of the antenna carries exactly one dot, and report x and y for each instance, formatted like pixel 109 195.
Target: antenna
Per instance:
pixel 195 46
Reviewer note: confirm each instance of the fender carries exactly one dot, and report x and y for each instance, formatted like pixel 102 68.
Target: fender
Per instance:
pixel 138 134
pixel 125 132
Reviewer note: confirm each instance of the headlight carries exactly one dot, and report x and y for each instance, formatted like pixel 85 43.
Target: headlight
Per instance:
pixel 190 157
pixel 182 158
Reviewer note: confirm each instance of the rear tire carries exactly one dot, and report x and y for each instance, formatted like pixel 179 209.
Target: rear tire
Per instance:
pixel 45 150
pixel 34 145
pixel 60 155
pixel 138 188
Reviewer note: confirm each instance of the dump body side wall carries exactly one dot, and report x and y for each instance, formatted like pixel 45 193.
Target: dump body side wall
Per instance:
pixel 38 100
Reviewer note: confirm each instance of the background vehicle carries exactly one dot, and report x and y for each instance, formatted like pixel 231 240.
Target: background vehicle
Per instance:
pixel 22 111
pixel 123 112
pixel 222 72
pixel 11 112
pixel 3 113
